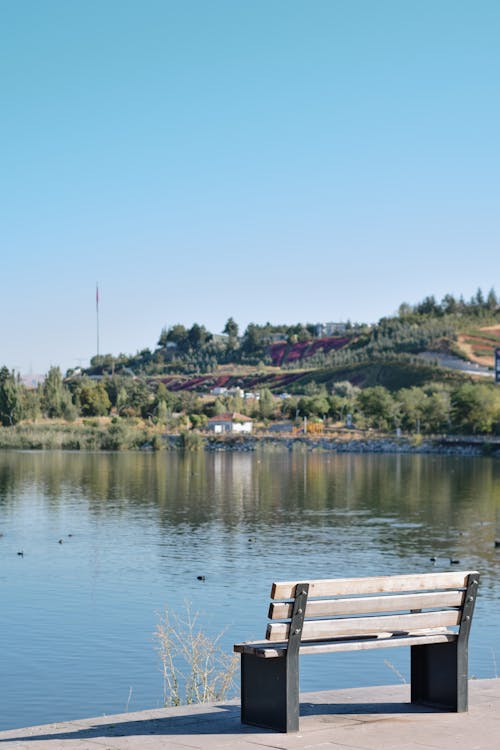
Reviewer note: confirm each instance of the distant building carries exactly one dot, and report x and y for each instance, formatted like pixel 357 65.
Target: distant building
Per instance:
pixel 230 422
pixel 236 391
pixel 251 396
pixel 219 390
pixel 330 329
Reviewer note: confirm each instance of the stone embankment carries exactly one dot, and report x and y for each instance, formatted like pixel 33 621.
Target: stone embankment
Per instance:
pixel 442 445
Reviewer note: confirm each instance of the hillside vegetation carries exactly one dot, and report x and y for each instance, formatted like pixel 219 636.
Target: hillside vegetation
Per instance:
pixel 284 357
pixel 418 371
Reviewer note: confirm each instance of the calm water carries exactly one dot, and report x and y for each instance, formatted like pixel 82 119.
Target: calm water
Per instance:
pixel 77 619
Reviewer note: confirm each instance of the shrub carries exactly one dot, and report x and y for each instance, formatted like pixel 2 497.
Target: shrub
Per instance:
pixel 195 668
pixel 158 443
pixel 191 440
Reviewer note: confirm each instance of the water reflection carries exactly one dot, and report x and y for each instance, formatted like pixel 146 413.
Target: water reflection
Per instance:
pixel 413 503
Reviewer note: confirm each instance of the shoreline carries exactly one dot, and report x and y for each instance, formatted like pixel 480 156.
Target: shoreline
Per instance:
pixel 102 435
pixel 437 445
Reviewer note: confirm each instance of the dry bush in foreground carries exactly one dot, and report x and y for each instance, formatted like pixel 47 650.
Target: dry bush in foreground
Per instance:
pixel 195 668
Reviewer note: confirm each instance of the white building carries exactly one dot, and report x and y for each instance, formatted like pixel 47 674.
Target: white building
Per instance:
pixel 218 390
pixel 330 329
pixel 230 422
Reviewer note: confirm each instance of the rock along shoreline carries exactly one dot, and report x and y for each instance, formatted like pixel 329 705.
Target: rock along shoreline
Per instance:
pixel 440 445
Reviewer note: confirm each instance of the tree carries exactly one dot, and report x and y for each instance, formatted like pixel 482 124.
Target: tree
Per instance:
pixel 101 361
pixel 161 406
pixel 93 398
pixel 231 329
pixel 56 399
pixel 140 397
pixel 30 403
pixel 405 310
pixel 198 421
pixel 188 402
pixel 219 407
pixel 300 333
pixel 478 299
pixel 412 403
pixel 121 401
pixel 10 398
pixel 177 335
pixel 198 336
pixel 163 395
pixel 449 305
pixel 428 306
pixel 475 407
pixel 162 413
pixel 378 407
pixel 253 343
pixel 314 406
pixel 235 402
pixel 491 300
pixel 162 341
pixel 266 403
pixel 342 399
pixel 345 389
pixel 437 410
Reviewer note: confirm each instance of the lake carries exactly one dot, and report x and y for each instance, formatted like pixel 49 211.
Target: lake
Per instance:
pixel 110 540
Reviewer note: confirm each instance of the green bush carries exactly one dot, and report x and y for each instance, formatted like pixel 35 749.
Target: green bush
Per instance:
pixel 191 440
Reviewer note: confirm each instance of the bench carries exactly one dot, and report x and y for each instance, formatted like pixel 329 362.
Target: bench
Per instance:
pixel 431 613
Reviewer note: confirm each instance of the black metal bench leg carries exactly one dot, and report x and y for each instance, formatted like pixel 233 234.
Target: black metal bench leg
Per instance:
pixel 439 675
pixel 270 693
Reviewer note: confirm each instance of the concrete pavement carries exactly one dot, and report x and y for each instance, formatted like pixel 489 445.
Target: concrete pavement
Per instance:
pixel 373 718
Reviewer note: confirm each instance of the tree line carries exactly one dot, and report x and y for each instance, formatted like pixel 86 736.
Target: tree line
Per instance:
pixel 480 304
pixel 437 408
pixel 196 349
pixel 465 408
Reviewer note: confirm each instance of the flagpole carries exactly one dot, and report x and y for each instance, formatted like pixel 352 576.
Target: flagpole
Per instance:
pixel 97 313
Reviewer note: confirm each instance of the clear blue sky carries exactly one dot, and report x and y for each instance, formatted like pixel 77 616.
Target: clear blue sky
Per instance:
pixel 262 159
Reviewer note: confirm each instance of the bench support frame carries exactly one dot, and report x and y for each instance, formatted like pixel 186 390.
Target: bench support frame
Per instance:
pixel 439 676
pixel 270 687
pixel 440 671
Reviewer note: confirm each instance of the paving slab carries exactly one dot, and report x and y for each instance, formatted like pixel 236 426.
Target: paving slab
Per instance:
pixel 373 718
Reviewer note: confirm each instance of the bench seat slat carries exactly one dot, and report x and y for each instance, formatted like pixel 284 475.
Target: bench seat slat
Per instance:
pixel 357 626
pixel 373 585
pixel 266 651
pixel 387 603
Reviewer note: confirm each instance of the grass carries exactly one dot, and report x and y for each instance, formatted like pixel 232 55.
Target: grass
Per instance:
pixel 87 434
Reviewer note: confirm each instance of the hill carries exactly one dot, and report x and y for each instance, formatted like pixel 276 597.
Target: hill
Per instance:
pixel 423 343
pixel 426 370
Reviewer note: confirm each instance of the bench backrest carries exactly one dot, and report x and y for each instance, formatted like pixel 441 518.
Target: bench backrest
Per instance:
pixel 374 607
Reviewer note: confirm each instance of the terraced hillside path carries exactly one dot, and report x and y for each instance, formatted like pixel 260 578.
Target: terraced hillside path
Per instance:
pixel 480 348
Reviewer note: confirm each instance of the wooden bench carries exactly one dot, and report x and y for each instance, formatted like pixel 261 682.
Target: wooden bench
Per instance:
pixel 431 613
